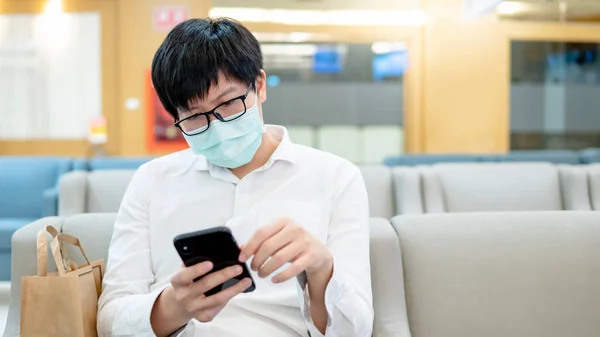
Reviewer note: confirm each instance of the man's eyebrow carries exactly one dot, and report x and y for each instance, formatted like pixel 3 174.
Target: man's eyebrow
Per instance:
pixel 225 92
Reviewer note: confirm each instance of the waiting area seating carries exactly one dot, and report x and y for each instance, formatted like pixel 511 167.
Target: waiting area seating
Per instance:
pixel 517 274
pixel 479 187
pixel 28 191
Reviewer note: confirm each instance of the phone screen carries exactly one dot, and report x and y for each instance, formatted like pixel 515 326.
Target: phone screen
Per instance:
pixel 216 245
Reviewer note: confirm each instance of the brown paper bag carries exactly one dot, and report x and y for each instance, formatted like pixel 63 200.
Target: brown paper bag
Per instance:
pixel 63 303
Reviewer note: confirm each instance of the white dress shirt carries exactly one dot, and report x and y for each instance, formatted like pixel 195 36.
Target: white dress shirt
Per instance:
pixel 182 192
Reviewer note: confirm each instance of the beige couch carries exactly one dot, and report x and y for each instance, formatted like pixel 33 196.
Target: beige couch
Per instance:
pixel 524 274
pixel 518 274
pixel 488 187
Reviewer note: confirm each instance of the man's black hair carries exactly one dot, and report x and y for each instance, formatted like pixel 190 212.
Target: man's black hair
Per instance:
pixel 189 60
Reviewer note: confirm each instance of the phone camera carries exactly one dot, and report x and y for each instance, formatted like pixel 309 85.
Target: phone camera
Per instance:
pixel 186 250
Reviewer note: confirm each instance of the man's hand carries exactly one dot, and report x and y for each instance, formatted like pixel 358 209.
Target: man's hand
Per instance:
pixel 185 299
pixel 190 295
pixel 285 241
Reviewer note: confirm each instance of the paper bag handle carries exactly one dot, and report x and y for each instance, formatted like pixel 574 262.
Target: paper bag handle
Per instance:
pixel 42 249
pixel 58 254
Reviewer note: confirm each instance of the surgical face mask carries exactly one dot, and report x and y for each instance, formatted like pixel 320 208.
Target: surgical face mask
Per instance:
pixel 230 144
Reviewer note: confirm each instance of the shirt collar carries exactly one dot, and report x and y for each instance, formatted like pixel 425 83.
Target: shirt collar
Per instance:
pixel 285 151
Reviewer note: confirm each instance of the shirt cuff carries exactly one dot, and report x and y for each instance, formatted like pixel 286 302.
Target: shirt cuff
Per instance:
pixel 148 306
pixel 333 293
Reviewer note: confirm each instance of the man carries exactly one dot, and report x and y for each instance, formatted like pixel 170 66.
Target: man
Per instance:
pixel 301 215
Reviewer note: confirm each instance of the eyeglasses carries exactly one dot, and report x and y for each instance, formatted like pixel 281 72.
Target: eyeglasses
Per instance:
pixel 225 112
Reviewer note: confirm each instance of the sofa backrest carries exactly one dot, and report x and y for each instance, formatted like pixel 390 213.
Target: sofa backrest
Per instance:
pixel 93 192
pixel 101 191
pixel 501 274
pixel 378 181
pixel 23 181
pixel 593 172
pixel 485 187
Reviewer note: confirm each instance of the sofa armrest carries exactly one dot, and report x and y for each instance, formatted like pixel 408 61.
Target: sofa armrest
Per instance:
pixel 50 202
pixel 24 260
pixel 387 281
pixel 72 190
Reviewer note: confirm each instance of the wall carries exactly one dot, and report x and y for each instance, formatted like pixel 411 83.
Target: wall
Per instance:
pixel 458 90
pixel 466 77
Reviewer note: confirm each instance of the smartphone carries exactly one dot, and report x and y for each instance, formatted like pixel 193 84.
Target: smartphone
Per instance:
pixel 216 245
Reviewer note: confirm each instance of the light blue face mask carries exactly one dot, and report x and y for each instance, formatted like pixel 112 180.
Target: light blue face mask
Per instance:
pixel 230 144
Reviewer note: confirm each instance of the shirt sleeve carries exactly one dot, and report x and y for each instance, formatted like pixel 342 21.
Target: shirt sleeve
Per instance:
pixel 126 302
pixel 348 297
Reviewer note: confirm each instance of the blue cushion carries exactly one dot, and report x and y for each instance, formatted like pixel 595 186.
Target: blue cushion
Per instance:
pixel 23 181
pixel 111 163
pixel 549 156
pixel 589 156
pixel 429 159
pixel 7 228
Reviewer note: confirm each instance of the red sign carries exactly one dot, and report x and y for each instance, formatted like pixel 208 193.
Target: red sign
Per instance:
pixel 167 17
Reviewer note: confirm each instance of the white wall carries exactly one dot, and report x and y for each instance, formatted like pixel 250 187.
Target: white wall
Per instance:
pixel 50 75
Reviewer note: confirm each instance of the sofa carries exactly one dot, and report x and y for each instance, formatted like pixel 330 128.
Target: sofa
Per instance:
pixel 28 191
pixel 479 187
pixel 95 231
pixel 517 274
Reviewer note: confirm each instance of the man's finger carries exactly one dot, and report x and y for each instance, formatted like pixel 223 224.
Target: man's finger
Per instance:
pixel 226 295
pixel 261 235
pixel 286 254
pixel 187 275
pixel 270 247
pixel 294 269
pixel 217 278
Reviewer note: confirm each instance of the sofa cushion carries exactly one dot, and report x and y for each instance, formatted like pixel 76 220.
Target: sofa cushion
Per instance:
pixel 502 274
pixel 7 227
pixel 23 181
pixel 105 190
pixel 496 187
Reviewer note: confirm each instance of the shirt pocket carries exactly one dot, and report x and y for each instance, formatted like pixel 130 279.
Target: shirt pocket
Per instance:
pixel 312 215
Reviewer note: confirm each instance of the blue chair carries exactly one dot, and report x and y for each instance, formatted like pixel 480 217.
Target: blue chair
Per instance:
pixel 109 163
pixel 590 156
pixel 548 156
pixel 28 191
pixel 429 159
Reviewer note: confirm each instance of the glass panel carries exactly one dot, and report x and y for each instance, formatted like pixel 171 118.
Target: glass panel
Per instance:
pixel 555 95
pixel 333 95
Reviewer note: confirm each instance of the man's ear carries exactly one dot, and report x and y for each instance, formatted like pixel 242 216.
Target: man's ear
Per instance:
pixel 261 86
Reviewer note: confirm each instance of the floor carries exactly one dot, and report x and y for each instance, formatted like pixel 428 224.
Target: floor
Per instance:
pixel 4 298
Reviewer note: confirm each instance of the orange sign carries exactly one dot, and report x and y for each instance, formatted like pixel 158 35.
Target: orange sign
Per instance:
pixel 161 135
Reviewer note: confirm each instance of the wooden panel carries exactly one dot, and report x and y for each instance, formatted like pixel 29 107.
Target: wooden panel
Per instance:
pixel 70 148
